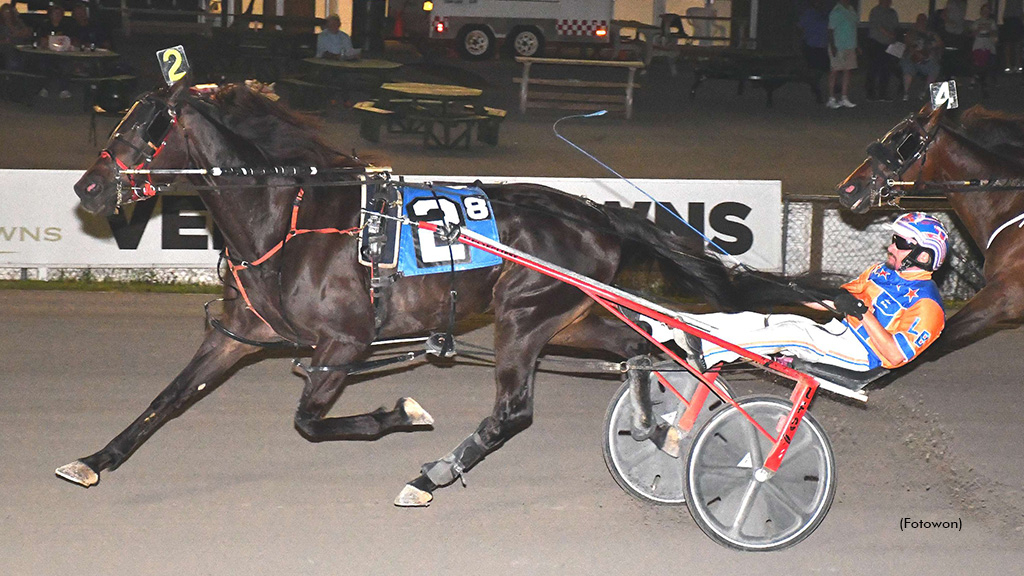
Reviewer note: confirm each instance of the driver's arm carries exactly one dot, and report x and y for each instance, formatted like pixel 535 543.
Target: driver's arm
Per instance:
pixel 882 340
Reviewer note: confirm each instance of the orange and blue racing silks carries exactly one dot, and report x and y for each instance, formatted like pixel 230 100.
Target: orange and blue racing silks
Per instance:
pixel 907 304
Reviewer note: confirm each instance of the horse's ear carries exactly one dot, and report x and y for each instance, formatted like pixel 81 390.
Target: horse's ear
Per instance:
pixel 179 89
pixel 930 116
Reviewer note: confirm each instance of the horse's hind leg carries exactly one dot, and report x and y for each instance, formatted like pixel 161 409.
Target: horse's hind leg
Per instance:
pixel 322 389
pixel 204 372
pixel 998 301
pixel 593 332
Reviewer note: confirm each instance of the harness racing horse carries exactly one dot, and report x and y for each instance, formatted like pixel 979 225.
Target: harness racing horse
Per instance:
pixel 310 290
pixel 977 163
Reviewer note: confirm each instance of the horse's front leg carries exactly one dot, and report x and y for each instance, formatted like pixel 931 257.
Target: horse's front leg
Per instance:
pixel 204 372
pixel 520 334
pixel 325 381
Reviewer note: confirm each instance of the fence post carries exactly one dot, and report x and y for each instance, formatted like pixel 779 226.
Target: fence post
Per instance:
pixel 817 237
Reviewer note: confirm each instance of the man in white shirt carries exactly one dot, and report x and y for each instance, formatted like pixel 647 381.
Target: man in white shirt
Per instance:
pixel 334 44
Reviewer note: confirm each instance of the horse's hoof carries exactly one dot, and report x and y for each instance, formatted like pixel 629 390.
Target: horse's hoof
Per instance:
pixel 78 473
pixel 417 415
pixel 412 496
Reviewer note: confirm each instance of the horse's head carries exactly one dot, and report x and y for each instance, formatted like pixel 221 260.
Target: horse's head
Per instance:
pixel 898 155
pixel 146 138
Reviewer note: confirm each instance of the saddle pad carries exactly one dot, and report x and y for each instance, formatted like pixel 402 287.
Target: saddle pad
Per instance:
pixel 420 252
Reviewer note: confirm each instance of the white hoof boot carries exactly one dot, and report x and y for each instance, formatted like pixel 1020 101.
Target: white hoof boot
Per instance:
pixel 412 497
pixel 416 413
pixel 78 473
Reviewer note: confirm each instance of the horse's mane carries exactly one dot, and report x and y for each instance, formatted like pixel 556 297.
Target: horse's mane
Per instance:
pixel 281 135
pixel 999 132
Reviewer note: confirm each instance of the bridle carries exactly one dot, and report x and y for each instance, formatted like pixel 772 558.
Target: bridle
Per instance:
pixel 893 157
pixel 896 152
pixel 908 142
pixel 155 126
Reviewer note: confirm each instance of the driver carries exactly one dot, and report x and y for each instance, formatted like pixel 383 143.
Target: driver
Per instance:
pixel 892 312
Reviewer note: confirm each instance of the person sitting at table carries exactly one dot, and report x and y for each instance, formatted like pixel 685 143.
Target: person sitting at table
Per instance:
pixel 334 44
pixel 85 33
pixel 55 34
pixel 12 32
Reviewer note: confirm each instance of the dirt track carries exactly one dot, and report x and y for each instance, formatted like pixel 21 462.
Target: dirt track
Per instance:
pixel 231 488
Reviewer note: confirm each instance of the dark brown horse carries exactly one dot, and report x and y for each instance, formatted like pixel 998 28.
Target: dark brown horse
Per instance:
pixel 975 160
pixel 314 293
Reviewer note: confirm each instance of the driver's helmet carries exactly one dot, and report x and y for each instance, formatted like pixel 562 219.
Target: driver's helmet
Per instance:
pixel 928 233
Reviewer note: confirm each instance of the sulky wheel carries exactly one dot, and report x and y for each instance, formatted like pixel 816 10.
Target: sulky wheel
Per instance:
pixel 736 510
pixel 642 469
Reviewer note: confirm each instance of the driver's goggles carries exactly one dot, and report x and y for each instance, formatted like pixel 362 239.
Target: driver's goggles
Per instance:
pixel 901 242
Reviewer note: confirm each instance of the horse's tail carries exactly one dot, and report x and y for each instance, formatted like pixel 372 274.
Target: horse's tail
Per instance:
pixel 688 267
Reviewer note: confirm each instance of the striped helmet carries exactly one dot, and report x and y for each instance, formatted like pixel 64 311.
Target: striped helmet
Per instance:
pixel 925 231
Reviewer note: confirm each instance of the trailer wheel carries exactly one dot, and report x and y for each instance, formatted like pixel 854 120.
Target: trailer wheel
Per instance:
pixel 526 41
pixel 475 43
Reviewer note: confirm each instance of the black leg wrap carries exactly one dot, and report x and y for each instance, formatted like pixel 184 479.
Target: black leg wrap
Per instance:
pixel 642 423
pixel 451 467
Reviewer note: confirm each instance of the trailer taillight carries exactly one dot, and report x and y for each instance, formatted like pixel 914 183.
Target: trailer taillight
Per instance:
pixel 601 31
pixel 439 26
pixel 428 6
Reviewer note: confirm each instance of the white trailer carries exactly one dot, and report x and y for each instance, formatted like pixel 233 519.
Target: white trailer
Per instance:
pixel 525 26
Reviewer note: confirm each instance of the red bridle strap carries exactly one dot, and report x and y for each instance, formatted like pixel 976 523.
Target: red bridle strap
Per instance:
pixel 293 231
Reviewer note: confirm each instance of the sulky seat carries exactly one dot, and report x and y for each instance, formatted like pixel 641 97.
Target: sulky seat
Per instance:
pixel 850 379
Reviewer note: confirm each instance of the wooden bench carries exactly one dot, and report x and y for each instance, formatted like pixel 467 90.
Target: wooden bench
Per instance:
pixel 93 87
pixel 574 93
pixel 422 117
pixel 20 86
pixel 306 95
pixel 372 119
pixel 769 73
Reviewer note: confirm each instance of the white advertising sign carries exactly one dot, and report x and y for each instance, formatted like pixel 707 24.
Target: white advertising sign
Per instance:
pixel 42 224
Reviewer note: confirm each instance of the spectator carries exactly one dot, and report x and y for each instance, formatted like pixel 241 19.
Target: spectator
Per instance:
pixel 85 33
pixel 55 26
pixel 922 56
pixel 882 24
pixel 985 33
pixel 813 25
pixel 842 44
pixel 334 44
pixel 955 35
pixel 1012 34
pixel 55 34
pixel 12 32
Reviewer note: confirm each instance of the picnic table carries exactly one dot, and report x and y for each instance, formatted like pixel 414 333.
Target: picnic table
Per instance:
pixel 91 68
pixel 323 78
pixel 445 114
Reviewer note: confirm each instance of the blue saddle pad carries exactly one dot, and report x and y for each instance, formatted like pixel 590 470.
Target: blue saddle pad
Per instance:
pixel 420 252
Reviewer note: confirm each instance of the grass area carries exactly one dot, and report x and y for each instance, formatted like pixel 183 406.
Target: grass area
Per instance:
pixel 97 286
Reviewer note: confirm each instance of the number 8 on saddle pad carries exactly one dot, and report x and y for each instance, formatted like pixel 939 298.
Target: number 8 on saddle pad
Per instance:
pixel 421 252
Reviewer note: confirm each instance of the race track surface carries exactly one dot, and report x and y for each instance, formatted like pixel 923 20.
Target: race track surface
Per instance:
pixel 231 488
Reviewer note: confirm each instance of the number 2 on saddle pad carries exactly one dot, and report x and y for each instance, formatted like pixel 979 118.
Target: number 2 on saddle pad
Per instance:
pixel 421 252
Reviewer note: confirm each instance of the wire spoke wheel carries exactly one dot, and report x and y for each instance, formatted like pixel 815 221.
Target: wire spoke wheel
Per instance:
pixel 642 469
pixel 735 509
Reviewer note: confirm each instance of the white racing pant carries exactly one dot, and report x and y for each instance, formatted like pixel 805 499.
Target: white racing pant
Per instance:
pixel 789 334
